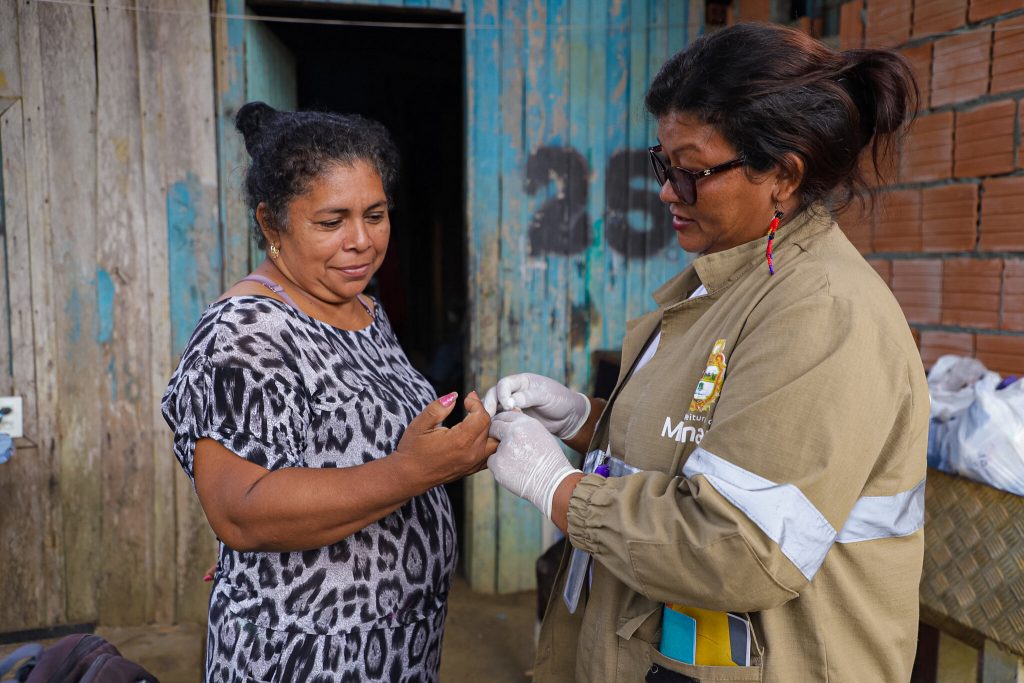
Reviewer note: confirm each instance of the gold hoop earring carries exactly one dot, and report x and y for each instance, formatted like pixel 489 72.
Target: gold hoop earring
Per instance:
pixel 275 251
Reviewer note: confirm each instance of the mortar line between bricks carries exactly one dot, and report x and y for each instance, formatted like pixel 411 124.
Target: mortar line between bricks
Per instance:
pixel 991 58
pixel 1016 134
pixel 946 182
pixel 960 329
pixel 959 31
pixel 974 103
pixel 943 255
pixel 1002 288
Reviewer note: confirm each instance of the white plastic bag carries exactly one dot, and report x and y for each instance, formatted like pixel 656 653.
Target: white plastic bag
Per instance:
pixel 977 430
pixel 990 438
pixel 951 386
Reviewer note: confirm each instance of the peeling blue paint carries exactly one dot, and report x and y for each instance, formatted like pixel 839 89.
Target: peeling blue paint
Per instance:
pixel 194 254
pixel 231 153
pixel 104 306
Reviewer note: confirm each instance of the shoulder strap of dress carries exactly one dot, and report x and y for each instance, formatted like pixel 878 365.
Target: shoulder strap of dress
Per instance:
pixel 372 312
pixel 272 286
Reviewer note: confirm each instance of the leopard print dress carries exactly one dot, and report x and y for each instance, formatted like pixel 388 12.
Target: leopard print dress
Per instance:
pixel 282 389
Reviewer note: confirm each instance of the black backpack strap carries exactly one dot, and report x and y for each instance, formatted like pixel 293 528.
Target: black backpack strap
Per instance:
pixel 29 651
pixel 93 673
pixel 111 668
pixel 82 648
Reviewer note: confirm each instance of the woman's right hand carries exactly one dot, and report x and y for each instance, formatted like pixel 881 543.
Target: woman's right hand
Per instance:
pixel 440 454
pixel 562 411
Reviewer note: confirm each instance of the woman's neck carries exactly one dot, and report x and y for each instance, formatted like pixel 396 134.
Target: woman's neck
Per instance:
pixel 349 314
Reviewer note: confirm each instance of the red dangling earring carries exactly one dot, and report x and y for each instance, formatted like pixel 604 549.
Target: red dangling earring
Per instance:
pixel 771 236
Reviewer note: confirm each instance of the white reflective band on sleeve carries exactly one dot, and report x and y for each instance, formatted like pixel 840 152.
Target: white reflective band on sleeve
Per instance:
pixel 875 517
pixel 781 511
pixel 787 517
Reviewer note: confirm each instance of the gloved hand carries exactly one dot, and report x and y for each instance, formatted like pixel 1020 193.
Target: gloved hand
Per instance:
pixel 529 461
pixel 562 411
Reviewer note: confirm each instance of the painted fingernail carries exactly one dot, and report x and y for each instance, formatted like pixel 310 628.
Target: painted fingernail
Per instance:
pixel 449 399
pixel 208 578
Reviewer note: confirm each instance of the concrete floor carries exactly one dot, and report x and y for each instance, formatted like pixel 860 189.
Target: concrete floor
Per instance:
pixel 487 638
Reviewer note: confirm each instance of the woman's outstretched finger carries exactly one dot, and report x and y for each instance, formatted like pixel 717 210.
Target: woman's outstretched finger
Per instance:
pixel 434 414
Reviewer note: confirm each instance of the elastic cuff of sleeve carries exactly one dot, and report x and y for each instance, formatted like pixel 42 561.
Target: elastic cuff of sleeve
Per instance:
pixel 549 500
pixel 579 425
pixel 580 512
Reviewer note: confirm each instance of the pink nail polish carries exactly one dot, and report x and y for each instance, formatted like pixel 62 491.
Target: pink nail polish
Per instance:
pixel 449 399
pixel 207 578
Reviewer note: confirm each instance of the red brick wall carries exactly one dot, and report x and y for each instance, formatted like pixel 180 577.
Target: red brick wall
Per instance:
pixel 948 234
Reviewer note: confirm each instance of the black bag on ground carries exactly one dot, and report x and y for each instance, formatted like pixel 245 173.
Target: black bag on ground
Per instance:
pixel 81 658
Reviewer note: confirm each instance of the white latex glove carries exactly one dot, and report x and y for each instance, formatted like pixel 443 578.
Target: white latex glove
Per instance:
pixel 562 411
pixel 528 462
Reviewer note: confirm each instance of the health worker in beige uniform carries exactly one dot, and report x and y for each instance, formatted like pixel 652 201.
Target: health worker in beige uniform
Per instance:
pixel 764 451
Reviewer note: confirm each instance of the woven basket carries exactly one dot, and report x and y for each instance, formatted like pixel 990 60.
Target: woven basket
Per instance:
pixel 973 581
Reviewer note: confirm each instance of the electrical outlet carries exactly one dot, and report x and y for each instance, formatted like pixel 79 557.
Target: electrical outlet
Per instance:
pixel 10 420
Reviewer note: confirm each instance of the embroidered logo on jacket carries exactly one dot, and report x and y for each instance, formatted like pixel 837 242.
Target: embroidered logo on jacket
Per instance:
pixel 710 385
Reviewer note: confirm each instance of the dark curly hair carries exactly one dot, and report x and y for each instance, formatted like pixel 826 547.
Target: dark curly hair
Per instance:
pixel 772 90
pixel 288 149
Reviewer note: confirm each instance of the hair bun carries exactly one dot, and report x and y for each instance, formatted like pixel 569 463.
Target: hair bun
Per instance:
pixel 251 120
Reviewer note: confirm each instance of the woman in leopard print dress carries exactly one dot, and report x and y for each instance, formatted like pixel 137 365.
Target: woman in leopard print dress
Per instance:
pixel 312 443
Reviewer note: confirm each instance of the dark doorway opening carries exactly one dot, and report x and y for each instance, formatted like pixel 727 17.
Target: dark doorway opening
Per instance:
pixel 411 79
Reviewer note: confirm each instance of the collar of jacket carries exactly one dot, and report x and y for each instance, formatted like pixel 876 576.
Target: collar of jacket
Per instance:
pixel 717 271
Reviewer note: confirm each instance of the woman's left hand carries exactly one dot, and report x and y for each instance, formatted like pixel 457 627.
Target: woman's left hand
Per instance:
pixel 529 461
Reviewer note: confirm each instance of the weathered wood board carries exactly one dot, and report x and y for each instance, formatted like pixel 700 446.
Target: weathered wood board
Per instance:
pixel 162 589
pixel 50 586
pixel 122 301
pixel 193 246
pixel 483 189
pixel 69 91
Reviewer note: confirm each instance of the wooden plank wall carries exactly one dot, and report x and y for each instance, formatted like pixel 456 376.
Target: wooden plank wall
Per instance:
pixel 120 226
pixel 567 236
pixel 109 172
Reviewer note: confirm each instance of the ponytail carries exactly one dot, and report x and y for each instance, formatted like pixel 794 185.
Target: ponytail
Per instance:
pixel 884 90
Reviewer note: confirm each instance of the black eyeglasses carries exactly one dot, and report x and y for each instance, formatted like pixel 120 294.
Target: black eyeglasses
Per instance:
pixel 684 182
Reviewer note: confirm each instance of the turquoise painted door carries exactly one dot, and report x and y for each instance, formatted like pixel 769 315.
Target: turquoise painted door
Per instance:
pixel 567 235
pixel 252 64
pixel 269 77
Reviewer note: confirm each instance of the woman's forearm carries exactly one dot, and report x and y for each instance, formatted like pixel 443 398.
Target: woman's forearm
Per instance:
pixel 560 502
pixel 296 508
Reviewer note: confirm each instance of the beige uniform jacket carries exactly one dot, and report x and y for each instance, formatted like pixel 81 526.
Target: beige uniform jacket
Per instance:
pixel 781 430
